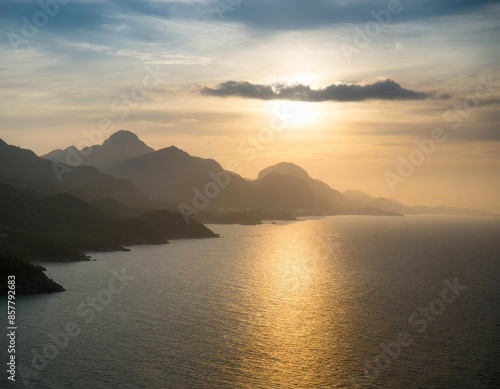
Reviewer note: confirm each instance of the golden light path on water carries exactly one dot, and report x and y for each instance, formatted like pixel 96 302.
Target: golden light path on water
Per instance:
pixel 294 328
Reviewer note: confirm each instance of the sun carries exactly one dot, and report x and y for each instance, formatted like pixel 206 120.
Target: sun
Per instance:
pixel 295 114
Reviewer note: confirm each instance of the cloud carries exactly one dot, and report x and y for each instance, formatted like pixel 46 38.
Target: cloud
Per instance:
pixel 80 16
pixel 382 90
pixel 85 46
pixel 300 14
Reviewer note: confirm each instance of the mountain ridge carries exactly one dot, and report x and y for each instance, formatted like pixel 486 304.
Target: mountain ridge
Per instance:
pixel 170 174
pixel 23 169
pixel 120 146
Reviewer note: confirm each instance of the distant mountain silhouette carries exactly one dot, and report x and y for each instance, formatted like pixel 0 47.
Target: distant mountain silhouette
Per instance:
pixel 24 169
pixel 357 195
pixel 169 174
pixel 390 205
pixel 173 176
pixel 120 146
pixel 285 168
pixel 289 188
pixel 367 201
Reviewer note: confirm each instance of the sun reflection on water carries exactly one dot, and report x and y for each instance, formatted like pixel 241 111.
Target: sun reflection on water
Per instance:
pixel 289 335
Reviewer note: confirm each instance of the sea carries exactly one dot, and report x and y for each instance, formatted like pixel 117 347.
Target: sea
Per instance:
pixel 335 302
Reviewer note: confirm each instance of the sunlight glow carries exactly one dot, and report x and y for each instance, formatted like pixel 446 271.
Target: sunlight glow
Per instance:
pixel 297 114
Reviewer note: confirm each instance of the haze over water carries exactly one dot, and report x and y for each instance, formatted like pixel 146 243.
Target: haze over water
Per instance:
pixel 293 305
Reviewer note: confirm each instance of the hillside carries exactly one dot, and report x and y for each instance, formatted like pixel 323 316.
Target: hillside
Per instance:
pixel 62 227
pixel 29 278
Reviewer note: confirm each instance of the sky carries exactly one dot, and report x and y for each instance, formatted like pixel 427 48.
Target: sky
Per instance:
pixel 396 98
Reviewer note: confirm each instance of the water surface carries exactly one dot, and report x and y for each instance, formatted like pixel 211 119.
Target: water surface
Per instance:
pixel 293 305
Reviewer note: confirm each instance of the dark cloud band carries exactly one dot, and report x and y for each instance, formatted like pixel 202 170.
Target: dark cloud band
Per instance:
pixel 263 15
pixel 382 90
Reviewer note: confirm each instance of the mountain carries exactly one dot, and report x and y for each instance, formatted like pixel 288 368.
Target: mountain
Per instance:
pixel 174 176
pixel 120 146
pixel 62 227
pixel 367 201
pixel 390 205
pixel 169 174
pixel 285 168
pixel 273 188
pixel 24 169
pixel 357 195
pixel 202 186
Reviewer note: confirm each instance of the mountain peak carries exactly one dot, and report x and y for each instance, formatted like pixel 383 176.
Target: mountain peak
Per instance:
pixel 174 150
pixel 123 135
pixel 125 138
pixel 120 146
pixel 285 168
